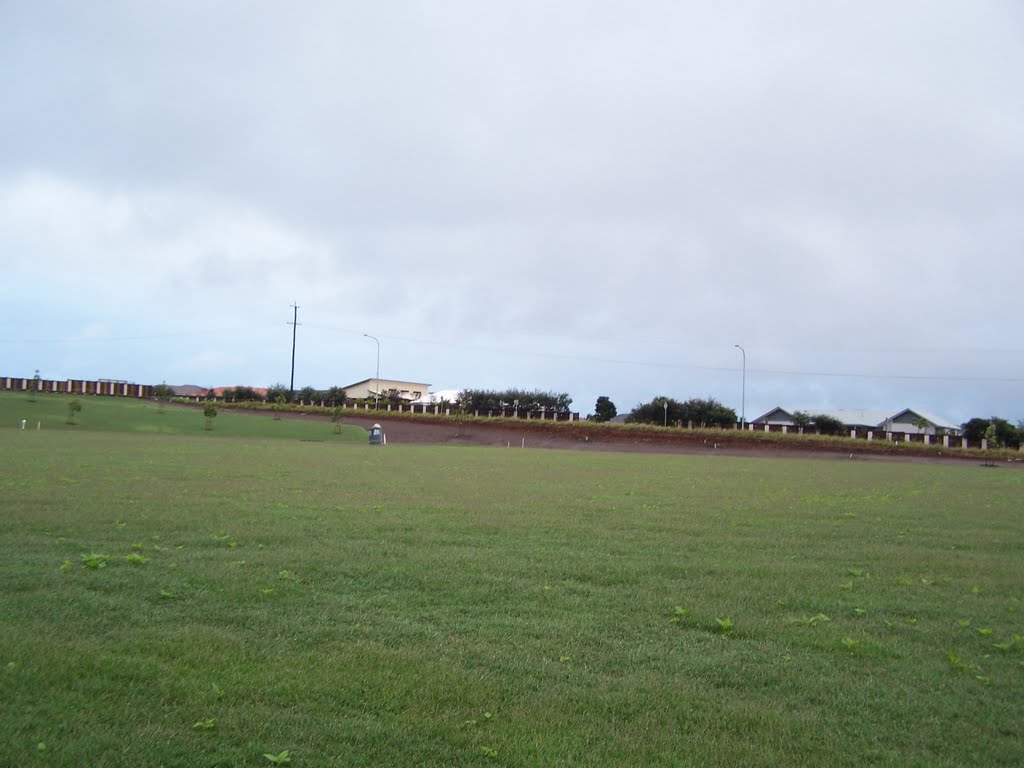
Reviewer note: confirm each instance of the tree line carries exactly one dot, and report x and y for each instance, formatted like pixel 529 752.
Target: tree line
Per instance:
pixel 533 401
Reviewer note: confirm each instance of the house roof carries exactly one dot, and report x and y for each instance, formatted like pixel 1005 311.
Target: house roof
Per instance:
pixel 395 381
pixel 935 419
pixel 860 417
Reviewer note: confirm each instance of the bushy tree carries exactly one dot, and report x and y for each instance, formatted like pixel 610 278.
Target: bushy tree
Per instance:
pixel 802 419
pixel 974 429
pixel 604 409
pixel 532 401
pixel 163 392
pixel 210 412
pixel 242 395
pixel 335 396
pixel 828 425
pixel 707 412
pixel 74 408
pixel 275 391
pixel 703 412
pixel 308 395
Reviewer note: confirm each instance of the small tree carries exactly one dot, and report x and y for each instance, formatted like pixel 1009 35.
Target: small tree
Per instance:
pixel 604 409
pixel 210 412
pixel 279 403
pixel 921 424
pixel 37 385
pixel 74 408
pixel 336 415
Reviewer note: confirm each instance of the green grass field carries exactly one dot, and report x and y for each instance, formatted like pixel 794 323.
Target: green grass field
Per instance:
pixel 187 600
pixel 118 414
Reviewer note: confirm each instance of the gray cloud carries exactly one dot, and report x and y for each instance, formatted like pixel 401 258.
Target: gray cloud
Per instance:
pixel 596 197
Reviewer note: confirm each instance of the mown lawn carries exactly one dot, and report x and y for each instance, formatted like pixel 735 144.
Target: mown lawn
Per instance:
pixel 494 607
pixel 44 412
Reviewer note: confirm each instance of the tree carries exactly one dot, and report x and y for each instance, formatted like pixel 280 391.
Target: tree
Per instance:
pixel 308 395
pixel 37 385
pixel 604 409
pixel 336 415
pixel 974 429
pixel 210 412
pixel 523 400
pixel 707 413
pixel 74 408
pixel 242 395
pixel 1007 435
pixel 274 391
pixel 279 404
pixel 656 412
pixel 921 423
pixel 336 396
pixel 162 392
pixel 802 419
pixel 828 425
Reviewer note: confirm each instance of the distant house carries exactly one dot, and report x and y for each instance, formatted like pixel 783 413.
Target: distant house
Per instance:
pixel 440 396
pixel 884 421
pixel 385 388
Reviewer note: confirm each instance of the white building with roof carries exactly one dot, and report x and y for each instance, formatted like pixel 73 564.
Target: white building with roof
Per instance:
pixel 885 421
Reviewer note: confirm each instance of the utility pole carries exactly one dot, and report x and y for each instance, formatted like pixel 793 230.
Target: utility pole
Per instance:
pixel 743 401
pixel 294 324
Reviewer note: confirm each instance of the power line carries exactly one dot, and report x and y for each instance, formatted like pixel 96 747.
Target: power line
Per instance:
pixel 693 366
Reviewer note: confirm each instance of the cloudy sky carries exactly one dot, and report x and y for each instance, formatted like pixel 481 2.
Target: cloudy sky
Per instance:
pixel 599 198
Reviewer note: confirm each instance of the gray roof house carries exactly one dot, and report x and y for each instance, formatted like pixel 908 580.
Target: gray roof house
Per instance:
pixel 887 421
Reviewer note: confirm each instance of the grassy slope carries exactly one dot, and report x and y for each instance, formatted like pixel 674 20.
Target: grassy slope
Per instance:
pixel 369 607
pixel 115 414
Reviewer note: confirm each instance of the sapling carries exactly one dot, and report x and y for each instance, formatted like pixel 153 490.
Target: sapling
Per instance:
pixel 281 758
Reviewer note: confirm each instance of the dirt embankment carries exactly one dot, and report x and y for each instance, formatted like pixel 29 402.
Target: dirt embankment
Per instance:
pixel 593 438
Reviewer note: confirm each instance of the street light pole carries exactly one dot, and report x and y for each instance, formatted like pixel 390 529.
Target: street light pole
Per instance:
pixel 376 394
pixel 743 401
pixel 666 412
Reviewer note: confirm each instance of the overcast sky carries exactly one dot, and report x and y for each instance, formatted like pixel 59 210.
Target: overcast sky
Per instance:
pixel 599 198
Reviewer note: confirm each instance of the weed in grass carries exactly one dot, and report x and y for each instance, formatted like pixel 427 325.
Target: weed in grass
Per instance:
pixel 857 573
pixel 903 581
pixel 204 725
pixel 287 575
pixel 859 611
pixel 850 644
pixel 680 614
pixel 489 752
pixel 95 561
pixel 218 692
pixel 984 631
pixel 975 590
pixel 65 566
pixel 266 591
pixel 846 585
pixel 41 746
pixel 963 622
pixel 136 559
pixel 725 626
pixel 962 666
pixel 564 659
pixel 808 621
pixel 281 758
pixel 167 594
